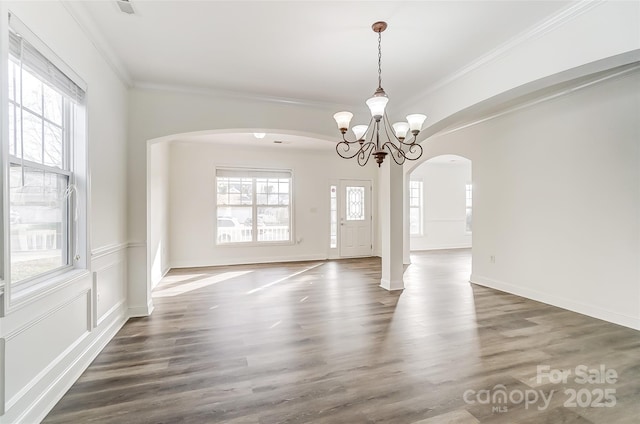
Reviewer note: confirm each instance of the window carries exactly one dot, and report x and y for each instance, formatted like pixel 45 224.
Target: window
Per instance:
pixel 469 201
pixel 253 206
pixel 415 208
pixel 45 114
pixel 334 217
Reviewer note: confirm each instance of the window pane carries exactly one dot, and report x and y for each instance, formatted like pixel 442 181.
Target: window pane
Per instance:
pixel 234 224
pixel 414 221
pixel 14 81
pixel 355 203
pixel 38 216
pixel 222 195
pixel 32 136
pixel 53 145
pixel 276 224
pixel 31 92
pixel 52 105
pixel 14 131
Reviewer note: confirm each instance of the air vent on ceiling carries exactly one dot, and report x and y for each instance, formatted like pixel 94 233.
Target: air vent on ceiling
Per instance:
pixel 125 6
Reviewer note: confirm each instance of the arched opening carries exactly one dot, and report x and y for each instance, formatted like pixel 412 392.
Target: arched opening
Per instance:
pixel 440 204
pixel 440 211
pixel 263 221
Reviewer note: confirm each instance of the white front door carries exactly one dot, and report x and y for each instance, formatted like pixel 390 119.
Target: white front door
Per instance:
pixel 355 218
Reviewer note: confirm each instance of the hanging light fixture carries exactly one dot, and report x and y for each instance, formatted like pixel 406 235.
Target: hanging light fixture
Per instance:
pixel 368 140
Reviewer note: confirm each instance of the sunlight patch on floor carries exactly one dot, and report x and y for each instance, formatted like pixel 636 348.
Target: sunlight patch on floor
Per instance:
pixel 195 285
pixel 273 283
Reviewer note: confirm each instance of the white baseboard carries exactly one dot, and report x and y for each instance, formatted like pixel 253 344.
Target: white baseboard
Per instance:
pixel 453 246
pixel 560 302
pixel 43 404
pixel 392 285
pixel 141 311
pixel 250 260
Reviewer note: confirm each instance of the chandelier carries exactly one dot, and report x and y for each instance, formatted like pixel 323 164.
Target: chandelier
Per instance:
pixel 368 138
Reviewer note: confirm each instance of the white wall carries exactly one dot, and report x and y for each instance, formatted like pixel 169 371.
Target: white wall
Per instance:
pixel 46 343
pixel 557 199
pixel 159 201
pixel 444 207
pixel 192 201
pixel 545 55
pixel 163 114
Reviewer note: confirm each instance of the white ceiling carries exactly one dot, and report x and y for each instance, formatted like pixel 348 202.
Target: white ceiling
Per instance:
pixel 321 51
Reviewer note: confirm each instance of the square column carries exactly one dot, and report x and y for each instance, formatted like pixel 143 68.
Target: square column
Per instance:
pixel 391 205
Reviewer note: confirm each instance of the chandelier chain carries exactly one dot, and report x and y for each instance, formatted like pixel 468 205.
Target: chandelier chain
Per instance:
pixel 379 138
pixel 379 60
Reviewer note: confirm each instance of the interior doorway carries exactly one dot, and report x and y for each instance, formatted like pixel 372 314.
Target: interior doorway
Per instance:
pixel 441 204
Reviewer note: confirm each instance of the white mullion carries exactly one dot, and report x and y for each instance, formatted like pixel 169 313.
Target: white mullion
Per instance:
pixel 21 113
pixel 41 116
pixel 15 117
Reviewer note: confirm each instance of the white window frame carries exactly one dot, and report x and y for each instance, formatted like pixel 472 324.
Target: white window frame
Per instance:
pixel 254 174
pixel 17 294
pixel 419 207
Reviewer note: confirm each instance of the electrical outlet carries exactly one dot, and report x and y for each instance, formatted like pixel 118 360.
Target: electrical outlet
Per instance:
pixel 492 259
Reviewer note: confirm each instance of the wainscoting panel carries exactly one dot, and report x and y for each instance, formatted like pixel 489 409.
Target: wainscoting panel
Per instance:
pixel 38 345
pixel 49 342
pixel 109 290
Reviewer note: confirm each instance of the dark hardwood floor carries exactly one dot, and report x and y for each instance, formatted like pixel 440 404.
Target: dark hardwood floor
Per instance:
pixel 320 342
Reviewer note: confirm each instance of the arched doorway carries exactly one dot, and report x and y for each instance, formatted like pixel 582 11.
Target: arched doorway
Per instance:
pixel 440 204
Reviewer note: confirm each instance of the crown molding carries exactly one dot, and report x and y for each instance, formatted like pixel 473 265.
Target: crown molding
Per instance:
pixel 79 13
pixel 218 92
pixel 552 22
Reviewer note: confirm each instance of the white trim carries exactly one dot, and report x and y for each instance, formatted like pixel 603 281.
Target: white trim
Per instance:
pixel 443 247
pixel 48 398
pixel 552 22
pixel 5 259
pixel 38 377
pixel 219 92
pixel 108 250
pixel 391 285
pixel 142 311
pixel 560 302
pixel 252 260
pixel 626 70
pixel 79 14
pixel 33 293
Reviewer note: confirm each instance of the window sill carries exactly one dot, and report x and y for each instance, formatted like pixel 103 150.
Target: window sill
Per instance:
pixel 21 296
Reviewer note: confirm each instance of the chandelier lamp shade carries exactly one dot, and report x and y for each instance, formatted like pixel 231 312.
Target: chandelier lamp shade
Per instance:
pixel 379 138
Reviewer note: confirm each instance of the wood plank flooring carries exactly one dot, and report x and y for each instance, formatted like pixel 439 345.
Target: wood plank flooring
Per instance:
pixel 320 342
